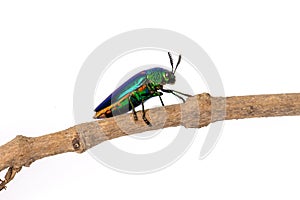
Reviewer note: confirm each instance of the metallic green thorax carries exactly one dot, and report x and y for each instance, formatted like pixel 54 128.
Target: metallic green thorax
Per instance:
pixel 160 77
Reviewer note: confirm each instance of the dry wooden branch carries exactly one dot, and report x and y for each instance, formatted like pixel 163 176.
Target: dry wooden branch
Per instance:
pixel 198 111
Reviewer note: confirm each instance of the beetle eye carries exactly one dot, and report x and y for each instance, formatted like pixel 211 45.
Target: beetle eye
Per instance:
pixel 167 74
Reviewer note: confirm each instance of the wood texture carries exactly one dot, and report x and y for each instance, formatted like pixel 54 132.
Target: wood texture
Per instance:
pixel 198 111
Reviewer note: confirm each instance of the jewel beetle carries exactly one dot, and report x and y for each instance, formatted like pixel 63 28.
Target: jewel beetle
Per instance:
pixel 138 89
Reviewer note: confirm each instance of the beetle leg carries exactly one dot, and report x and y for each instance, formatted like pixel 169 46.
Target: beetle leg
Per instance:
pixel 144 115
pixel 174 93
pixel 133 110
pixel 180 97
pixel 162 103
pixel 159 94
pixel 187 95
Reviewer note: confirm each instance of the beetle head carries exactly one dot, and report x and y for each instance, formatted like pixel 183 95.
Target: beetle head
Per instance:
pixel 169 77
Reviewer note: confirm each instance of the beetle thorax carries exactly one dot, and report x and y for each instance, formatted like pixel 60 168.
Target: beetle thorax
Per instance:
pixel 156 78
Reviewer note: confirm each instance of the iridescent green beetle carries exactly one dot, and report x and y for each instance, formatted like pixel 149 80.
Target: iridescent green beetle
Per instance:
pixel 138 89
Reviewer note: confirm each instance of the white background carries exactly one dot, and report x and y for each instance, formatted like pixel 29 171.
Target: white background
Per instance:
pixel 255 46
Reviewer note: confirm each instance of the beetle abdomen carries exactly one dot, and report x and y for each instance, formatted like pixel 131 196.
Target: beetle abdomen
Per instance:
pixel 123 105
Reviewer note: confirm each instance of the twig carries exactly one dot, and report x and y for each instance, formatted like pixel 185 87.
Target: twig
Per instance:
pixel 198 111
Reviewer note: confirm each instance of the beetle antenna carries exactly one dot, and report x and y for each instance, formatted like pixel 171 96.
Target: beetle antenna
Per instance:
pixel 171 60
pixel 178 62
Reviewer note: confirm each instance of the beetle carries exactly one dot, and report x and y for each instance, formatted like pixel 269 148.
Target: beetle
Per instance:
pixel 138 89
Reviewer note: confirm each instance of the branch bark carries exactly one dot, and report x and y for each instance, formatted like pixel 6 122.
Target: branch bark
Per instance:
pixel 198 111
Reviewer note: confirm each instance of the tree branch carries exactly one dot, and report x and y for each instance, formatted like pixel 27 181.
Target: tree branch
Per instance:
pixel 198 111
